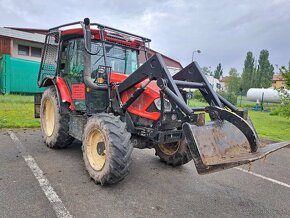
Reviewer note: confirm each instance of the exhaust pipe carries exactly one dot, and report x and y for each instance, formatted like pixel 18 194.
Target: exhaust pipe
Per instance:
pixel 87 58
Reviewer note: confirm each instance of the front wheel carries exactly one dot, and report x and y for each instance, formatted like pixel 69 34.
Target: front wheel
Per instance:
pixel 174 154
pixel 106 149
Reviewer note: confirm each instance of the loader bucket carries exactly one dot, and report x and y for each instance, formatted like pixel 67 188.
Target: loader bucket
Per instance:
pixel 225 142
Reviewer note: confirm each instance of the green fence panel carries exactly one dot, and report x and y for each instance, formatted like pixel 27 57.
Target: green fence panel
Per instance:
pixel 20 75
pixel 3 74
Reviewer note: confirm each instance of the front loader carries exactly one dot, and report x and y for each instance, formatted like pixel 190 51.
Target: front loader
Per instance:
pixel 98 93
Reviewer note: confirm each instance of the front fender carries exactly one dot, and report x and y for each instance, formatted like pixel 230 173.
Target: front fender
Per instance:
pixel 64 92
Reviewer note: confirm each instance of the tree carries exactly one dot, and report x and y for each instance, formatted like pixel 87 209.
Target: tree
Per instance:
pixel 286 74
pixel 218 71
pixel 206 71
pixel 284 108
pixel 265 70
pixel 233 84
pixel 248 75
pixel 255 81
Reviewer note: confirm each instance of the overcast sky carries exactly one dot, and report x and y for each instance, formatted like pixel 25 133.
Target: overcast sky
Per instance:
pixel 223 30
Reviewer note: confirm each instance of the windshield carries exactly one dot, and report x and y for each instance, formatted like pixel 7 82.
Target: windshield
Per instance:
pixel 121 60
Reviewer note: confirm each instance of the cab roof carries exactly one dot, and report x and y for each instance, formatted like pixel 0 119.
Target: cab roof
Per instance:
pixel 108 37
pixel 110 34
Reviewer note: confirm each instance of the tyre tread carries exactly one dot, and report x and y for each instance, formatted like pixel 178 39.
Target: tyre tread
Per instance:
pixel 60 138
pixel 120 149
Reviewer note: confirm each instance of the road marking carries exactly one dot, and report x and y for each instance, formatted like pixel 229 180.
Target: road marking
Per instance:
pixel 264 177
pixel 54 199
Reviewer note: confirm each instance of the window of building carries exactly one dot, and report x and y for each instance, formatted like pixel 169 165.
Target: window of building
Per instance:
pixel 35 52
pixel 23 50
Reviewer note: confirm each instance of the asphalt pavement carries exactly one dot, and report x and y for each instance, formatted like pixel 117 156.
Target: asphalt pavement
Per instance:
pixel 35 180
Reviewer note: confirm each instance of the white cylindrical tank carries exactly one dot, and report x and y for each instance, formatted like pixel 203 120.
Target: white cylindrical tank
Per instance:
pixel 270 95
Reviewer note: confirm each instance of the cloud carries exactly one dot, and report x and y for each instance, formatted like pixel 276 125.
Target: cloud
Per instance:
pixel 223 30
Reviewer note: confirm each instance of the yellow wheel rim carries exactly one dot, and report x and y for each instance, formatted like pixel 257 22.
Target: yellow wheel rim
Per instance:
pixel 169 149
pixel 96 150
pixel 49 117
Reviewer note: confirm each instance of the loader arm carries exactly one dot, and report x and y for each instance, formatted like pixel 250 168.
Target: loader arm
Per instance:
pixel 192 73
pixel 227 141
pixel 153 69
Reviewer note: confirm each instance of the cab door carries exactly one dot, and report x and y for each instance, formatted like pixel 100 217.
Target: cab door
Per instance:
pixel 71 70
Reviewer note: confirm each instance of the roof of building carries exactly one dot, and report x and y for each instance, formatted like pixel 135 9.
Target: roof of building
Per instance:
pixel 169 61
pixel 278 77
pixel 177 62
pixel 34 37
pixel 30 30
pixel 224 79
pixel 211 79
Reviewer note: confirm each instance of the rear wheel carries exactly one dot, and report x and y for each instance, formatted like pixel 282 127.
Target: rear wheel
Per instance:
pixel 107 149
pixel 174 154
pixel 54 122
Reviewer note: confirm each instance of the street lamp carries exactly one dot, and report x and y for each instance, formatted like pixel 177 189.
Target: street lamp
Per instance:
pixel 197 51
pixel 277 68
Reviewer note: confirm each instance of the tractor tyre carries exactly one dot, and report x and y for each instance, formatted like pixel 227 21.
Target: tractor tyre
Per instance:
pixel 54 122
pixel 174 154
pixel 106 149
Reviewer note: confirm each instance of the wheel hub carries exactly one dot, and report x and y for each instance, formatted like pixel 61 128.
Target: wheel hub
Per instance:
pixel 49 117
pixel 96 150
pixel 101 148
pixel 169 149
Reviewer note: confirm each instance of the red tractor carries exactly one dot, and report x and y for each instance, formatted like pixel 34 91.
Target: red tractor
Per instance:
pixel 97 92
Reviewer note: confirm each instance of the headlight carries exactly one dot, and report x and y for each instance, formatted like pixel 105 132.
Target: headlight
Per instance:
pixel 167 104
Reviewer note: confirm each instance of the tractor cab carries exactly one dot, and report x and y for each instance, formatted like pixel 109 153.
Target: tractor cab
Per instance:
pixel 114 56
pixel 119 60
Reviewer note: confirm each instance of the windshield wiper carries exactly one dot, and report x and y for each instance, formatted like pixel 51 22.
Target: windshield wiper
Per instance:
pixel 98 60
pixel 126 58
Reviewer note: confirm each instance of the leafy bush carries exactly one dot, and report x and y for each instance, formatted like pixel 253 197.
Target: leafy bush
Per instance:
pixel 198 96
pixel 275 112
pixel 285 111
pixel 231 97
pixel 284 108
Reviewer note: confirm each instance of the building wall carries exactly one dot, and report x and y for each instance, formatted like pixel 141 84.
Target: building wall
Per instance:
pixel 173 66
pixel 17 42
pixel 278 84
pixel 173 70
pixel 5 45
pixel 223 86
pixel 215 83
